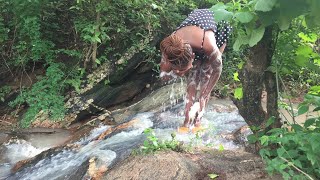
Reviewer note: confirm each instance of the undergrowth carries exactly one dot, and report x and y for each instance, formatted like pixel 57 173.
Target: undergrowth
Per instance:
pixel 152 144
pixel 293 150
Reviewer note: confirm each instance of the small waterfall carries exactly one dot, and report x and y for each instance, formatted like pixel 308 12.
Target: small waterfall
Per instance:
pixel 63 164
pixel 72 161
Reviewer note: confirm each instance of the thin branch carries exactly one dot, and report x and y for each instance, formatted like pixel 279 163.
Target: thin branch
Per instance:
pixel 6 122
pixel 291 105
pixel 5 62
pixel 296 168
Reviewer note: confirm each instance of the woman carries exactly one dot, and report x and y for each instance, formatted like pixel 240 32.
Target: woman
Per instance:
pixel 193 50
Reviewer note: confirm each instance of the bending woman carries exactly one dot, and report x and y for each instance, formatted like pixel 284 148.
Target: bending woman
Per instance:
pixel 194 50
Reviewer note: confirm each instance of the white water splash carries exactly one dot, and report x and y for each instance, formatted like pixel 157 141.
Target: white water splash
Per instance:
pixel 66 161
pixel 93 134
pixel 215 125
pixel 143 122
pixel 20 149
pixel 107 150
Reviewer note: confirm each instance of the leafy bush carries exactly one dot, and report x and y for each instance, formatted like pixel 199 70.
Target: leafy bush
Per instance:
pixel 153 144
pixel 44 96
pixel 3 92
pixel 294 152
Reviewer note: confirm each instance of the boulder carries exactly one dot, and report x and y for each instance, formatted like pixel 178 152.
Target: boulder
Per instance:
pixel 229 165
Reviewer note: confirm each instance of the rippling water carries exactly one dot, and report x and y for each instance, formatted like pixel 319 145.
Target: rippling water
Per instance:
pixel 66 162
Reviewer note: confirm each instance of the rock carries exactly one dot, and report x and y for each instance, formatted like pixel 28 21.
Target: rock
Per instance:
pixel 163 98
pixel 172 165
pixel 240 137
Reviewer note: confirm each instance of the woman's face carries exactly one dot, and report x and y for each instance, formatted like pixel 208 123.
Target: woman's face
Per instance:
pixel 183 70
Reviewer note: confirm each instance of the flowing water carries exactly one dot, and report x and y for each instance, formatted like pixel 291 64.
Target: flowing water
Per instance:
pixel 220 118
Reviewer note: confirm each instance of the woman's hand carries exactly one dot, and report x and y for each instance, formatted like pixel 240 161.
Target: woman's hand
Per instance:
pixel 221 49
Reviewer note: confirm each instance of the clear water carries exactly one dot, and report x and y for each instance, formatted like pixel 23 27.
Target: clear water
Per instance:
pixel 119 145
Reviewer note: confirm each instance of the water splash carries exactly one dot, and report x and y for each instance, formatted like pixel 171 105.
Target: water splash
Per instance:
pixel 19 149
pixel 61 165
pixel 93 134
pixel 66 162
pixel 216 125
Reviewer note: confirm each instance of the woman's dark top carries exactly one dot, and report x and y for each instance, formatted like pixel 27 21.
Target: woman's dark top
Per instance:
pixel 204 18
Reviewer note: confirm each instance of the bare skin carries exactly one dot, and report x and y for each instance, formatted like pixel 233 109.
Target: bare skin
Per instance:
pixel 199 74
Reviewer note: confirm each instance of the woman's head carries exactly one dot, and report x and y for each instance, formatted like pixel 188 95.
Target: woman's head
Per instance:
pixel 178 53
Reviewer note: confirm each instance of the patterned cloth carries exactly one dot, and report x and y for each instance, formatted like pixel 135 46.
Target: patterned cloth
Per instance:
pixel 204 18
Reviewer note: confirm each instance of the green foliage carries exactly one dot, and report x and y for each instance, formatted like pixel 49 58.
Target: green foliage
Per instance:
pixel 295 58
pixel 293 153
pixel 153 144
pixel 3 92
pixel 245 15
pixel 238 93
pixel 44 96
pixel 43 33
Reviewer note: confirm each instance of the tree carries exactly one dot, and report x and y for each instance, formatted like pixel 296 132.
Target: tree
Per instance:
pixel 258 23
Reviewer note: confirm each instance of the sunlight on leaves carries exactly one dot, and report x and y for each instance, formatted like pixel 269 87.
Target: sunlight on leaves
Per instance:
pixel 238 93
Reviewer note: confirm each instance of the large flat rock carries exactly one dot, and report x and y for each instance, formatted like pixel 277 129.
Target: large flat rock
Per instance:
pixel 229 165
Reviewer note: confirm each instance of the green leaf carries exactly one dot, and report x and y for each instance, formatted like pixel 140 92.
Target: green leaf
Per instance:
pixel 97 39
pixel 304 50
pixel 222 14
pixel 218 6
pixel 154 6
pixel 301 60
pixel 244 17
pixel 311 21
pixel 270 121
pixel 98 61
pixel 87 37
pixel 284 22
pixel 236 76
pixel 265 5
pixel 297 163
pixel 283 166
pixel 238 93
pixel 313 67
pixel 155 143
pixel 252 138
pixel 268 18
pixel 281 151
pixel 256 36
pixel 309 122
pixel 303 109
pixel 240 65
pixel 271 69
pixel 213 176
pixel 221 148
pixel 264 140
pixel 241 40
pixel 312 37
pixel 297 127
pixel 315 88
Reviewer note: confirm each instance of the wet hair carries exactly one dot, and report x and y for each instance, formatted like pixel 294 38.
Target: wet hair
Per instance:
pixel 178 52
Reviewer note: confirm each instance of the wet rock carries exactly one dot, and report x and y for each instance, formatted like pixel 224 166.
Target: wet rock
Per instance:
pixel 172 165
pixel 161 99
pixel 23 164
pixel 240 137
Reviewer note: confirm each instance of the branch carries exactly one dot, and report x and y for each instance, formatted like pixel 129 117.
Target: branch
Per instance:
pixel 295 167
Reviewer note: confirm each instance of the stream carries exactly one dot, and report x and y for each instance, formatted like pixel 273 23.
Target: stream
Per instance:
pixel 221 118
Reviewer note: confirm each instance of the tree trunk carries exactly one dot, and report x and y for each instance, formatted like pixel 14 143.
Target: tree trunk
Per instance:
pixel 255 78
